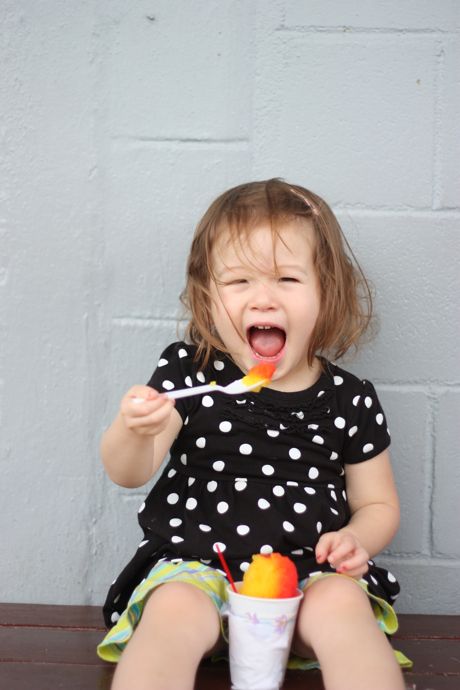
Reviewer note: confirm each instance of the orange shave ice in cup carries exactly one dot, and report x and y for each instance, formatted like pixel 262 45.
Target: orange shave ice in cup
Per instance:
pixel 261 373
pixel 270 576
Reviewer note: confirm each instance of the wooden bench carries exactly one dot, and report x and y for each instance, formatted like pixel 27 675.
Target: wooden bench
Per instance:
pixel 49 647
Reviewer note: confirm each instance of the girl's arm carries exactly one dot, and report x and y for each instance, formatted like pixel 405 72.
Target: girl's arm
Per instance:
pixel 374 506
pixel 137 441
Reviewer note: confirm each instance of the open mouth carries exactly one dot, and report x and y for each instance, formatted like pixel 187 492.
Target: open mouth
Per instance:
pixel 266 341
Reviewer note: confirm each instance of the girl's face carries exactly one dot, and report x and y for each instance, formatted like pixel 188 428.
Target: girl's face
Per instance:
pixel 266 300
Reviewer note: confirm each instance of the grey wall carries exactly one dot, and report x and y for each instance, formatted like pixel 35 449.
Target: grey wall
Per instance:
pixel 120 122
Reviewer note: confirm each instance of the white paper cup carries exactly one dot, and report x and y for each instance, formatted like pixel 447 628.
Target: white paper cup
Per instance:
pixel 260 635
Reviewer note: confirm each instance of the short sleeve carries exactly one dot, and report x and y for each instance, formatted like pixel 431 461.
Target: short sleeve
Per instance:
pixel 176 369
pixel 367 432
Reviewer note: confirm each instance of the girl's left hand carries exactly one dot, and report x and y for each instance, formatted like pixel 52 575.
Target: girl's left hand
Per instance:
pixel 343 552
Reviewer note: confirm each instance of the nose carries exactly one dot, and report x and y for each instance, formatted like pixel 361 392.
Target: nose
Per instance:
pixel 262 297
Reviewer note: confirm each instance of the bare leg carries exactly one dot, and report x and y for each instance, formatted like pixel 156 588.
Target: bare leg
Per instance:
pixel 179 626
pixel 336 622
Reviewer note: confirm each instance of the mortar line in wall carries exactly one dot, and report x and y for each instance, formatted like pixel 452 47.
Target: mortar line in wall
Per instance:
pixel 347 29
pixel 430 484
pixel 415 212
pixel 436 197
pixel 236 143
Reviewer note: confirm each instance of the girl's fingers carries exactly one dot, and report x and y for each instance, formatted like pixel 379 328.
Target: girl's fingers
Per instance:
pixel 356 565
pixel 342 552
pixel 324 546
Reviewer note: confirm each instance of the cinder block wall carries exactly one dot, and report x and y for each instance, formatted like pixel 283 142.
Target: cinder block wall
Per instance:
pixel 120 123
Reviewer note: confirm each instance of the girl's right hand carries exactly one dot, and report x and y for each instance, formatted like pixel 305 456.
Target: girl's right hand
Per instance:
pixel 149 417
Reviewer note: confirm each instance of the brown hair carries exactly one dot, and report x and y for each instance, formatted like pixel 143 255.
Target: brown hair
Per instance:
pixel 346 299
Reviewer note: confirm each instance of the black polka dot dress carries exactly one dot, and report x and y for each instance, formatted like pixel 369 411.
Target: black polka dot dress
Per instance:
pixel 258 472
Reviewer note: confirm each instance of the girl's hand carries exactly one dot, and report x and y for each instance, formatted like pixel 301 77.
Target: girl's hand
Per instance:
pixel 343 552
pixel 149 417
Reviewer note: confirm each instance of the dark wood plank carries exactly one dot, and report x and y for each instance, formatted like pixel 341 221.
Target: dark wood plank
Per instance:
pixel 51 645
pixel 52 616
pixel 420 626
pixel 18 676
pixel 433 656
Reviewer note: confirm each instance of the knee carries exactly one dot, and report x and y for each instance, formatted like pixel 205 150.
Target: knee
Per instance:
pixel 335 596
pixel 177 599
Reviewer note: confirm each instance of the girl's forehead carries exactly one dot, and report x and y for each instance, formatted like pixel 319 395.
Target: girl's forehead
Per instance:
pixel 264 247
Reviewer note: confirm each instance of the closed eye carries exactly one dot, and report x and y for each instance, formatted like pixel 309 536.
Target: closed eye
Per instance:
pixel 288 279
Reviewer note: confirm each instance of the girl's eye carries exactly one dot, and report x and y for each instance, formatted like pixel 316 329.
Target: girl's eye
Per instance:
pixel 288 279
pixel 236 281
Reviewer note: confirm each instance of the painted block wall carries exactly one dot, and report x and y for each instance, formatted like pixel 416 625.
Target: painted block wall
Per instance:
pixel 120 123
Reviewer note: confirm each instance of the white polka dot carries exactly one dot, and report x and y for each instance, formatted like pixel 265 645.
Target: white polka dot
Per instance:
pixel 300 414
pixel 219 365
pixel 356 400
pixel 163 362
pixel 186 421
pixel 318 439
pixel 190 481
pixel 290 483
pixel 114 617
pixel 207 401
pixel 143 543
pixel 313 426
pixel 263 504
pixel 141 508
pixel 219 544
pixel 204 528
pixel 368 401
pixel 352 431
pixel 319 527
pixel 374 580
pixel 333 495
pixel 368 447
pixel 222 507
pixel 211 486
pixel 313 472
pixel 268 470
pixel 200 377
pixel 191 503
pixel 171 473
pixel 172 499
pixel 288 526
pixel 244 566
pixel 240 484
pixel 379 418
pixel 176 539
pixel 300 507
pixel 294 453
pixel 245 449
pixel 334 455
pixel 175 522
pixel 344 494
pixel 168 385
pixel 188 381
pixel 273 433
pixel 320 394
pixel 309 490
pixel 338 380
pixel 282 427
pixel 391 577
pixel 218 465
pixel 225 427
pixel 278 490
pixel 182 353
pixel 242 530
pixel 183 459
pixel 266 548
pixel 334 511
pixel 201 442
pixel 339 422
pixel 297 552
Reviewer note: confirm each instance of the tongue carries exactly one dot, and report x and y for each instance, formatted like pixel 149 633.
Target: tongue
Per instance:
pixel 267 342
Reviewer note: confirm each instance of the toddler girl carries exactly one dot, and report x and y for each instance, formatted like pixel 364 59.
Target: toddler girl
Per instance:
pixel 302 467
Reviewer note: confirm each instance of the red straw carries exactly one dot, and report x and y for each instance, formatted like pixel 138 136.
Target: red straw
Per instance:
pixel 225 566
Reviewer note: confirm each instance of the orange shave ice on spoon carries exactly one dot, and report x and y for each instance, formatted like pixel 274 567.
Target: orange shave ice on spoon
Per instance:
pixel 272 576
pixel 261 374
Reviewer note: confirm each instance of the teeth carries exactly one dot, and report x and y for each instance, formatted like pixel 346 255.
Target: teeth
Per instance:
pixel 263 328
